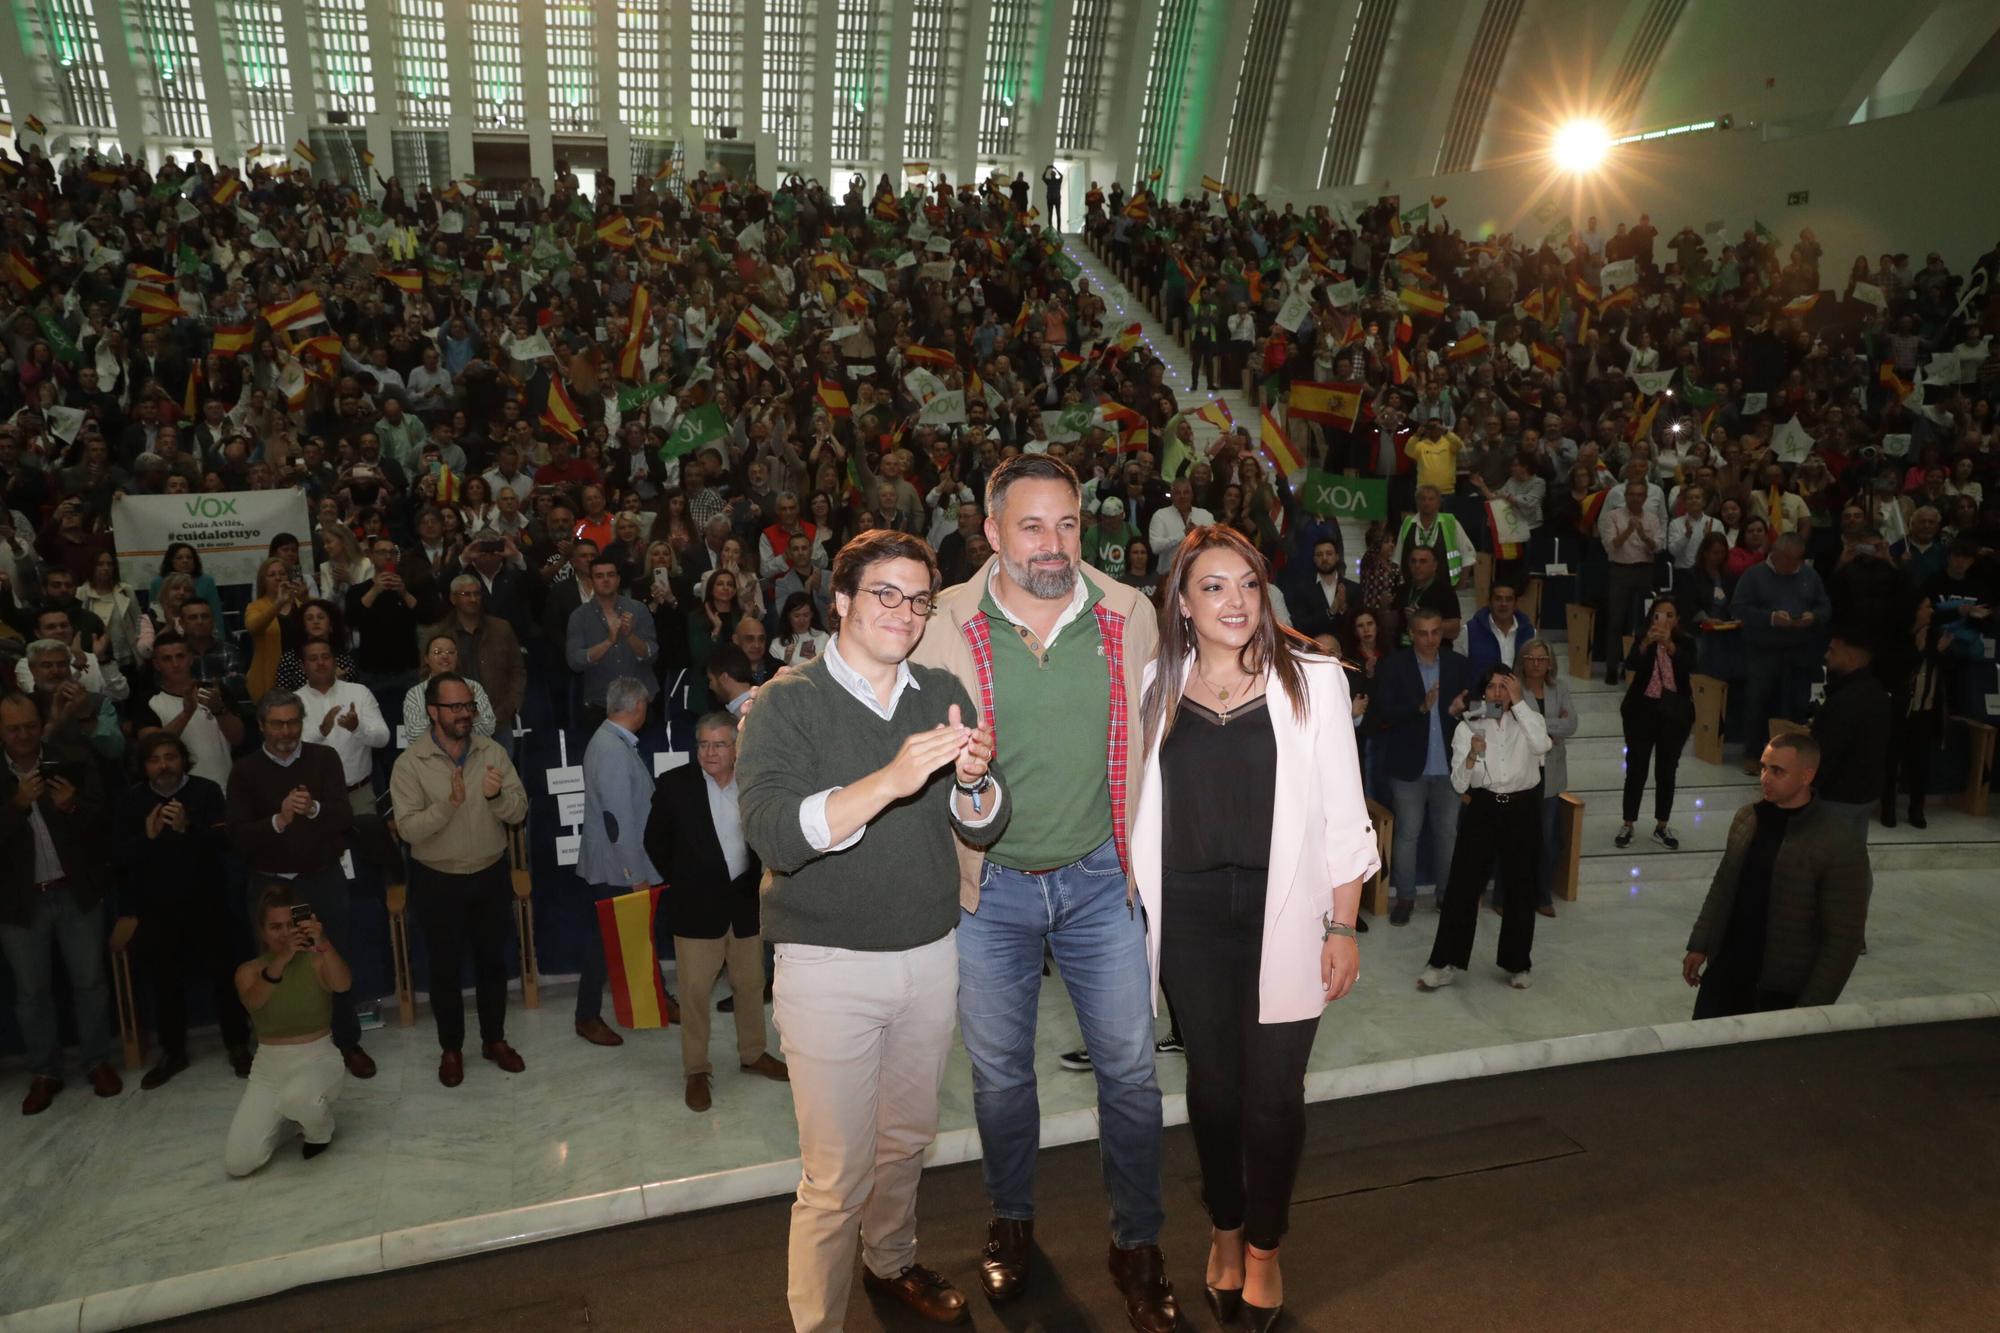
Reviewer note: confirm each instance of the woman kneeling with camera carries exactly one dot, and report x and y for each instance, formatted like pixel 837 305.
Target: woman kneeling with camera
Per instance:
pixel 289 990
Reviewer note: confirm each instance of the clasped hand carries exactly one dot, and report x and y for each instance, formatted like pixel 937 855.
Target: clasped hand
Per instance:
pixel 969 749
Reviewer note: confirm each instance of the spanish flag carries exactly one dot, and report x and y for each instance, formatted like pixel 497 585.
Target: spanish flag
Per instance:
pixel 226 190
pixel 450 484
pixel 1472 344
pixel 22 270
pixel 1216 413
pixel 631 964
pixel 1893 382
pixel 1533 305
pixel 367 157
pixel 1128 338
pixel 834 398
pixel 255 150
pixel 191 396
pixel 1399 366
pixel 1622 297
pixel 711 202
pixel 1721 333
pixel 104 176
pixel 930 356
pixel 1592 504
pixel 156 306
pixel 831 263
pixel 561 415
pixel 1066 362
pixel 1278 444
pixel 1799 306
pixel 1421 302
pixel 325 346
pixel 887 209
pixel 34 125
pixel 300 147
pixel 1643 423
pixel 666 169
pixel 408 279
pixel 1545 357
pixel 750 326
pixel 300 310
pixel 617 232
pixel 1585 292
pixel 232 339
pixel 1213 186
pixel 148 274
pixel 631 360
pixel 1139 210
pixel 1330 404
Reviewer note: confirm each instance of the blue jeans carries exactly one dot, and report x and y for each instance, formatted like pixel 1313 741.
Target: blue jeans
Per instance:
pixel 1420 803
pixel 57 922
pixel 1099 941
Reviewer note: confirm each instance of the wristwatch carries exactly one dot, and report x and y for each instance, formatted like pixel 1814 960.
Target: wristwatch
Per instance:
pixel 975 791
pixel 1332 928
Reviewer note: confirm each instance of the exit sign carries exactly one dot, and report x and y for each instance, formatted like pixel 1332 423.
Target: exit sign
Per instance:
pixel 1797 197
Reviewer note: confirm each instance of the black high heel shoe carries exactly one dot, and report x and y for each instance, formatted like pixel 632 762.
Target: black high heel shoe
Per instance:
pixel 1264 1320
pixel 1223 1303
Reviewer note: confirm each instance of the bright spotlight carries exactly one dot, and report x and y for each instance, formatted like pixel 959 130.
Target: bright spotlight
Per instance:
pixel 1581 145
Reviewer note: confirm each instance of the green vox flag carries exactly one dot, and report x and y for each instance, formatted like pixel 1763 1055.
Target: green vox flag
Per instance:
pixel 784 205
pixel 581 211
pixel 1420 216
pixel 1765 235
pixel 372 216
pixel 1696 396
pixel 1331 495
pixel 638 395
pixel 166 189
pixel 700 427
pixel 59 342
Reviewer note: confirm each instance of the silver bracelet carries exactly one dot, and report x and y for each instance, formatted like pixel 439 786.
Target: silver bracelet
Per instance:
pixel 1333 928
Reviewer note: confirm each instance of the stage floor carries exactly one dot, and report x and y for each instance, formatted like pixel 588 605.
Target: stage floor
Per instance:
pixel 1838 1181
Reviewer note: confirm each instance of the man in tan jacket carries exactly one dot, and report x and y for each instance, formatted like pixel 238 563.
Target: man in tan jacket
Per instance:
pixel 1054 654
pixel 455 793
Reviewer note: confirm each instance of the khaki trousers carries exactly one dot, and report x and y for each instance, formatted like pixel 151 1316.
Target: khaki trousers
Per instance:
pixel 866 1038
pixel 697 963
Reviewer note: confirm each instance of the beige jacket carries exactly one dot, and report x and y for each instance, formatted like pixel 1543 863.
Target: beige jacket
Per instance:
pixel 455 839
pixel 944 645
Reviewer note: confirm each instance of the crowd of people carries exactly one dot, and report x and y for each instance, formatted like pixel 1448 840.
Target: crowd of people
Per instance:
pixel 628 457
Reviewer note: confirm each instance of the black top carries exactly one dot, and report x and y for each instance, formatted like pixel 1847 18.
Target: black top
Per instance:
pixel 1219 779
pixel 1742 953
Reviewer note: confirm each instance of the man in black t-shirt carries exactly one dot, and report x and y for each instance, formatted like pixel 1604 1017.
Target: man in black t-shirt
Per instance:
pixel 1428 591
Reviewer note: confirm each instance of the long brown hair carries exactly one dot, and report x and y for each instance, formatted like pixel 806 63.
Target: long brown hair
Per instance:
pixel 1275 646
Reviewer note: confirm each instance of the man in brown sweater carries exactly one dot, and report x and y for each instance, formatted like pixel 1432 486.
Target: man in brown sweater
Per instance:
pixel 288 817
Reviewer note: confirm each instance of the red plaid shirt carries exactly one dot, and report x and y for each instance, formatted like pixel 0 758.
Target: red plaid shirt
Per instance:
pixel 1111 629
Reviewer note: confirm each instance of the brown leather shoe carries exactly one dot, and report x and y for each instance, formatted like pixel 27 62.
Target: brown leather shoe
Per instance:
pixel 500 1053
pixel 1141 1275
pixel 598 1033
pixel 1547 910
pixel 358 1062
pixel 1003 1264
pixel 673 1010
pixel 41 1091
pixel 104 1080
pixel 770 1067
pixel 697 1092
pixel 168 1066
pixel 922 1292
pixel 451 1068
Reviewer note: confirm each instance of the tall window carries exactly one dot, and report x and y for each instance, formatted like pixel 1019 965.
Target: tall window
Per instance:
pixel 788 68
pixel 1083 76
pixel 83 89
pixel 715 31
pixel 930 75
pixel 253 35
pixel 573 65
pixel 1255 87
pixel 857 77
pixel 423 79
pixel 496 67
pixel 1166 85
pixel 342 54
pixel 1006 58
pixel 642 68
pixel 167 28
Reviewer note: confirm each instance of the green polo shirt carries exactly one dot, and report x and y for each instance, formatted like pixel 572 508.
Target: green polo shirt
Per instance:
pixel 1051 714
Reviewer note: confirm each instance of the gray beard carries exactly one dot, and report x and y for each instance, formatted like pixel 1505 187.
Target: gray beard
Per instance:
pixel 1047 586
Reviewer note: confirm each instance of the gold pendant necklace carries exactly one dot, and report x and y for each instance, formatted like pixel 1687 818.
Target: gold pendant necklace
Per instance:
pixel 1221 695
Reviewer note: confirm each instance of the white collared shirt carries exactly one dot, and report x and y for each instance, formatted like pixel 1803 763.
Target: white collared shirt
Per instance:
pixel 812 810
pixel 728 819
pixel 356 748
pixel 1505 639
pixel 1512 762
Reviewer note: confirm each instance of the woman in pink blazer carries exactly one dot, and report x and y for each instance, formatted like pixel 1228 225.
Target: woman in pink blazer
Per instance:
pixel 1249 847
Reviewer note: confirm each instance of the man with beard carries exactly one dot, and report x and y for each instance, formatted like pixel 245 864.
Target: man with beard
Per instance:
pixel 1036 637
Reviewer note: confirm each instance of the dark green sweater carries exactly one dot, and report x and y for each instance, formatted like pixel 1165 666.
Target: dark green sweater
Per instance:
pixel 898 887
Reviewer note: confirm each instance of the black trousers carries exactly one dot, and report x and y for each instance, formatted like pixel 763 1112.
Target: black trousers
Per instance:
pixel 1650 735
pixel 1246 1080
pixel 457 912
pixel 1725 993
pixel 1910 753
pixel 182 944
pixel 1497 836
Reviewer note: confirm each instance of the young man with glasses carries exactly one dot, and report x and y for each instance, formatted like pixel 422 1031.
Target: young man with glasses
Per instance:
pixel 857 770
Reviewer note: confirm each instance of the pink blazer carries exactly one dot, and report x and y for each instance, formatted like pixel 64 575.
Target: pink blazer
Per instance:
pixel 1320 837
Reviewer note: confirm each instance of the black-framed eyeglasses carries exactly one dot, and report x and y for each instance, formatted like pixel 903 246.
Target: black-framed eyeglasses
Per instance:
pixel 465 707
pixel 891 598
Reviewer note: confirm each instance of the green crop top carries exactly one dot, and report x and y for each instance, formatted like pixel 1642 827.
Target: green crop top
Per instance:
pixel 299 1005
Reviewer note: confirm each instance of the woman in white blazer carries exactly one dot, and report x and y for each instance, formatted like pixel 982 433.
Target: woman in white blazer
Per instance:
pixel 1249 847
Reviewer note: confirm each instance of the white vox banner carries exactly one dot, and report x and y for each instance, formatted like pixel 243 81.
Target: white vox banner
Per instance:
pixel 232 531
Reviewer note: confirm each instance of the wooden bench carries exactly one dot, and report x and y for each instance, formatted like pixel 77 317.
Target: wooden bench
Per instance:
pixel 1531 602
pixel 1375 893
pixel 1978 762
pixel 524 914
pixel 1581 626
pixel 1482 579
pixel 1711 713
pixel 397 897
pixel 123 996
pixel 1569 830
